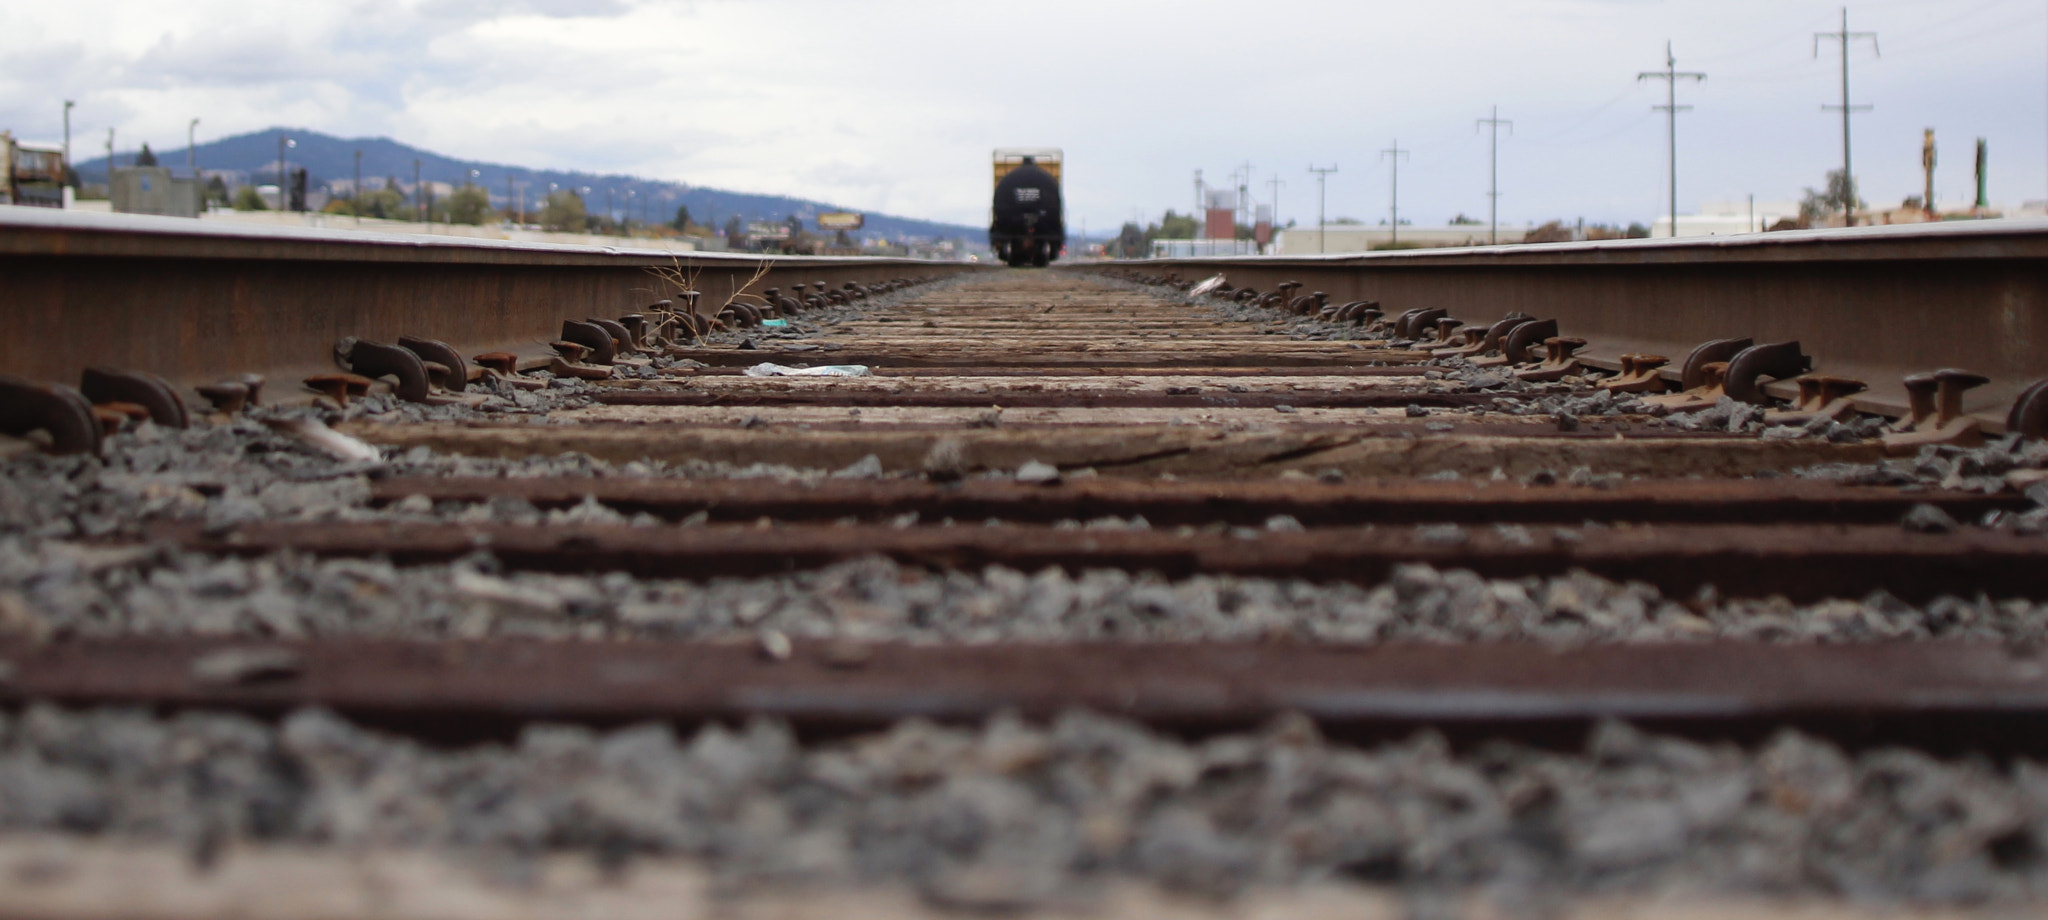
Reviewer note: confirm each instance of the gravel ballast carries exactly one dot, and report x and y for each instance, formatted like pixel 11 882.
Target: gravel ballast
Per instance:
pixel 1011 814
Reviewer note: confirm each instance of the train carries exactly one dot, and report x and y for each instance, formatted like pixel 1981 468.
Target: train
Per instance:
pixel 1027 223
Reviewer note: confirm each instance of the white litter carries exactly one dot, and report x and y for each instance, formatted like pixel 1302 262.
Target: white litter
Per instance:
pixel 765 369
pixel 1205 287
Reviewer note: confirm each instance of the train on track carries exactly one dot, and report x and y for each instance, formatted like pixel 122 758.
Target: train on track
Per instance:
pixel 1027 222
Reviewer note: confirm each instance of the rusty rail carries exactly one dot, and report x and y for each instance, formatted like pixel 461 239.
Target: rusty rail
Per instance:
pixel 188 300
pixel 1249 503
pixel 1804 562
pixel 1950 696
pixel 1873 303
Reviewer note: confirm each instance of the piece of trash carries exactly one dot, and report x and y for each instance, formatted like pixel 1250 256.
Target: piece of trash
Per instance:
pixel 774 323
pixel 1207 286
pixel 238 666
pixel 765 369
pixel 316 434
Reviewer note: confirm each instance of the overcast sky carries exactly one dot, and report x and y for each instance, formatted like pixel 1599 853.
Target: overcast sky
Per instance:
pixel 893 105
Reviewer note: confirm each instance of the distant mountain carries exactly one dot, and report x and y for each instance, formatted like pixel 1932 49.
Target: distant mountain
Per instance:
pixel 327 158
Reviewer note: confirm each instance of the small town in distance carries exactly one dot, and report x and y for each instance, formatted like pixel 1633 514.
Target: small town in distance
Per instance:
pixel 229 180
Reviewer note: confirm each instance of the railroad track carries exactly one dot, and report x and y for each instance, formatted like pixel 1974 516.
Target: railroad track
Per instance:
pixel 1094 525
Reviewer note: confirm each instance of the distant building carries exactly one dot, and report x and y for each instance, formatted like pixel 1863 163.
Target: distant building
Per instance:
pixel 153 190
pixel 1299 241
pixel 1726 218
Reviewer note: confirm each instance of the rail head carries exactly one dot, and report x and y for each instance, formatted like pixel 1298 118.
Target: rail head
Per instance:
pixel 32 232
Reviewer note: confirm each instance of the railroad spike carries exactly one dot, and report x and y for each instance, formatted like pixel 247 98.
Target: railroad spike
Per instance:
pixel 1560 363
pixel 1638 375
pixel 227 397
pixel 1936 412
pixel 504 366
pixel 340 386
pixel 1820 396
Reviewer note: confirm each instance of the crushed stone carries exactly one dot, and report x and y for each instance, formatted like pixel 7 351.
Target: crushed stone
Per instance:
pixel 1014 812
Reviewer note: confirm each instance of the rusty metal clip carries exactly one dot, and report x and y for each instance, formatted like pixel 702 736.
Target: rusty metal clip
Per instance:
pixel 60 411
pixel 589 336
pixel 375 359
pixel 2029 414
pixel 569 362
pixel 454 373
pixel 1421 321
pixel 1490 339
pixel 105 385
pixel 1779 360
pixel 1514 346
pixel 1360 312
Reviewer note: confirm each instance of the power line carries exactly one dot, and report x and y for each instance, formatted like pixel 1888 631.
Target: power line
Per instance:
pixel 1394 153
pixel 1671 75
pixel 1846 37
pixel 1493 169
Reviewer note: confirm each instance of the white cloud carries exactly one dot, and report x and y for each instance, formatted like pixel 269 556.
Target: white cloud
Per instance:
pixel 894 104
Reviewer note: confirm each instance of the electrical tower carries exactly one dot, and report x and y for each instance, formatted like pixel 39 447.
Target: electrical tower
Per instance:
pixel 1493 168
pixel 1845 38
pixel 1395 153
pixel 1671 75
pixel 1322 200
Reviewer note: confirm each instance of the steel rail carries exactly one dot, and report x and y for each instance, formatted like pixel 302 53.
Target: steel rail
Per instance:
pixel 1803 562
pixel 1875 303
pixel 1239 502
pixel 1944 696
pixel 190 300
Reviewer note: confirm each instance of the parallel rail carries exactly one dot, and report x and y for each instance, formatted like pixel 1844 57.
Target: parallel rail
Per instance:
pixel 1875 303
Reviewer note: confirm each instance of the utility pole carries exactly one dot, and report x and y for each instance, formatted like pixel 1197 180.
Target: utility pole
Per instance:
pixel 1493 168
pixel 1846 37
pixel 284 201
pixel 1199 203
pixel 110 161
pixel 1244 196
pixel 1983 164
pixel 1322 200
pixel 67 141
pixel 1395 153
pixel 1927 164
pixel 1671 75
pixel 355 192
pixel 191 151
pixel 1275 184
pixel 418 202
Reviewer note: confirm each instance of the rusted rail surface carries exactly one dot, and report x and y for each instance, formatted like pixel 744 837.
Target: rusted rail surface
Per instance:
pixel 1951 696
pixel 1874 303
pixel 1804 562
pixel 1248 503
pixel 189 300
